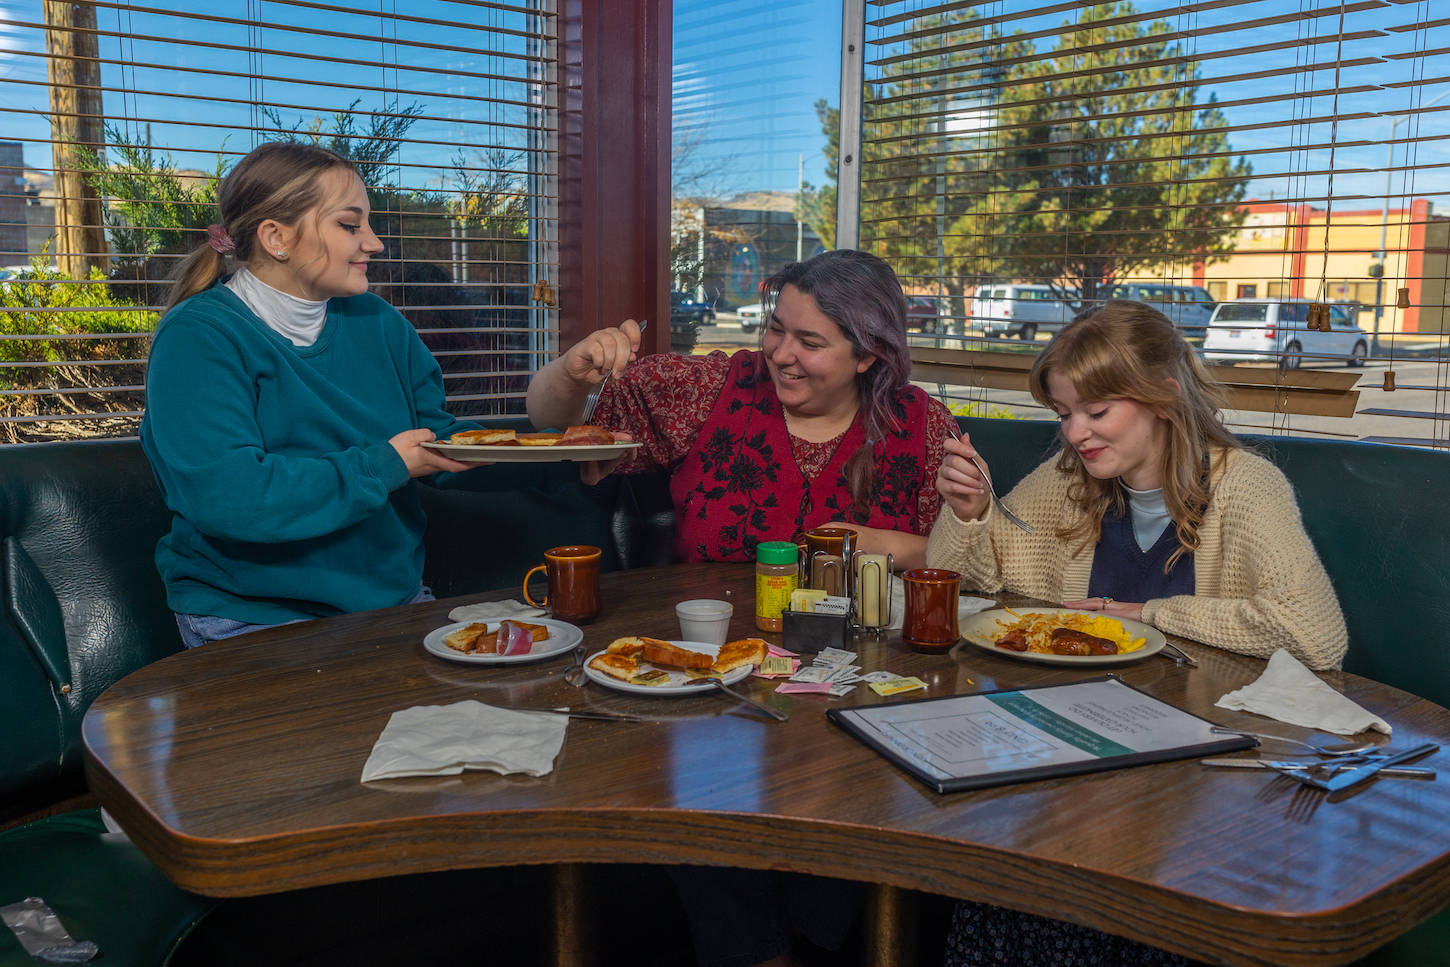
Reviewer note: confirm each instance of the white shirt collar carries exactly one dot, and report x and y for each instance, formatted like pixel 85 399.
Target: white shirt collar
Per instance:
pixel 300 321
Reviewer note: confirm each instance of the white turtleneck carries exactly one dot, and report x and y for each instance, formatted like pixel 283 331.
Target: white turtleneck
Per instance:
pixel 298 320
pixel 1150 515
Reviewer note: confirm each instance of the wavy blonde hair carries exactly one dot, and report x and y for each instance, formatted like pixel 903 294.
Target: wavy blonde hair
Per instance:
pixel 1129 351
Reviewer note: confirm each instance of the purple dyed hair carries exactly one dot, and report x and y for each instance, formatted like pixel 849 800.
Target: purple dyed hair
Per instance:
pixel 861 295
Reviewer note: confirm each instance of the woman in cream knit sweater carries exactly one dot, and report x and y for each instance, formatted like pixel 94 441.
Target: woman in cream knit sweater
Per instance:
pixel 1153 510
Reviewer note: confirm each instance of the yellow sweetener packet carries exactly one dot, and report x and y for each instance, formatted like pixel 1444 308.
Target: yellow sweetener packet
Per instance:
pixel 776 665
pixel 895 686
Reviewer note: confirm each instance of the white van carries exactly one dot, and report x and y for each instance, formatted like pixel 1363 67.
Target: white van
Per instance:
pixel 1020 310
pixel 1260 330
pixel 1188 306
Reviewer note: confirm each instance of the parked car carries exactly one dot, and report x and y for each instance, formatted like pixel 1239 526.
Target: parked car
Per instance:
pixel 1257 330
pixel 685 307
pixel 749 317
pixel 1021 310
pixel 1189 306
pixel 921 313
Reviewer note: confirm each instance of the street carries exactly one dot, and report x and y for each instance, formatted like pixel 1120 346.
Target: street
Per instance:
pixel 1412 372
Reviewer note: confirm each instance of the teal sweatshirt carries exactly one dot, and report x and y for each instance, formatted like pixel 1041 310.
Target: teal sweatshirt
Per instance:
pixel 289 501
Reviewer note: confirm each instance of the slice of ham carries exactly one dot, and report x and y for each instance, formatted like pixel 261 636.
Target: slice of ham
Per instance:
pixel 586 436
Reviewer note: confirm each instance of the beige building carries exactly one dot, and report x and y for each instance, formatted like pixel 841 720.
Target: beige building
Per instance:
pixel 1282 252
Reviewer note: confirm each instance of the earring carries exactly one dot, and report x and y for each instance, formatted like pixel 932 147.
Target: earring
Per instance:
pixel 281 254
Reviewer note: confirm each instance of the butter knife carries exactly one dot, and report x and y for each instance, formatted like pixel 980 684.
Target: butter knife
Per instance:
pixel 1353 777
pixel 1393 772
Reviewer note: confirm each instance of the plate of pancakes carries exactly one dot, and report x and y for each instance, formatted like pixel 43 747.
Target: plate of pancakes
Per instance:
pixel 653 666
pixel 510 446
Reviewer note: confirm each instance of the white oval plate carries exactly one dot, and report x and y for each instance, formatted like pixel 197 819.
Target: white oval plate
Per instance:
pixel 562 637
pixel 981 628
pixel 679 684
pixel 473 453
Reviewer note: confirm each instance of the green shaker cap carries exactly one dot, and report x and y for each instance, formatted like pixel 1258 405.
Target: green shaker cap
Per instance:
pixel 776 552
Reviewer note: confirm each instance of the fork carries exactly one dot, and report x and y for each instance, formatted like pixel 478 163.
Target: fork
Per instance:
pixel 593 399
pixel 991 489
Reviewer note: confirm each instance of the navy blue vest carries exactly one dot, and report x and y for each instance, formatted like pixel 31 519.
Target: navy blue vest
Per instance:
pixel 1123 570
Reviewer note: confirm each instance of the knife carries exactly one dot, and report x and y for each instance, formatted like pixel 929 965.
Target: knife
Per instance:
pixel 1344 780
pixel 598 716
pixel 1393 772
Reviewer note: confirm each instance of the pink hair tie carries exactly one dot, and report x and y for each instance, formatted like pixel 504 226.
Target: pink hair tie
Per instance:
pixel 217 238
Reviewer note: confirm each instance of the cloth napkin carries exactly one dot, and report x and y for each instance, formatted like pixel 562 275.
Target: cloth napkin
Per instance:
pixel 1291 693
pixel 444 740
pixel 966 604
pixel 494 609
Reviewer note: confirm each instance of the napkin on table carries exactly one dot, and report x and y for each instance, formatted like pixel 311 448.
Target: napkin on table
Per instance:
pixel 494 609
pixel 444 740
pixel 966 604
pixel 1291 693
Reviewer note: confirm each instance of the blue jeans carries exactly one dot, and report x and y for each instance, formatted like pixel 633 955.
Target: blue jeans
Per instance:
pixel 203 629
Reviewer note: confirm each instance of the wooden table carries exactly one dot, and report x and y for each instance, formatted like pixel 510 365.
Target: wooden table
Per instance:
pixel 235 768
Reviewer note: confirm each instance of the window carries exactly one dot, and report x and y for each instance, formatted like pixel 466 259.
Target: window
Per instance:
pixel 1235 312
pixel 1239 147
pixel 447 107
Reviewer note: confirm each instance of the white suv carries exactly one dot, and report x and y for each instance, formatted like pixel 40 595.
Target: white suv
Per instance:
pixel 1258 330
pixel 1020 310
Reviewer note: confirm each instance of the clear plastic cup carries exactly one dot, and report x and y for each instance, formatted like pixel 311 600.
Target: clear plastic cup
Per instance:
pixel 703 619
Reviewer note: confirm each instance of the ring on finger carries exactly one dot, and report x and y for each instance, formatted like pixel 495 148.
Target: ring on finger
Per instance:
pixel 1107 601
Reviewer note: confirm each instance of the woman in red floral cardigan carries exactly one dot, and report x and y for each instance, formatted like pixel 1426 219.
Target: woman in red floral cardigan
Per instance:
pixel 818 425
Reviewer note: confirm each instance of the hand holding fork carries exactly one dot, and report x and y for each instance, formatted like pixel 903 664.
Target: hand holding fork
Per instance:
pixel 986 480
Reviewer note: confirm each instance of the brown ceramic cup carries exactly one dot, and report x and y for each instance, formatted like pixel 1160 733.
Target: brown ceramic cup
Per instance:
pixel 931 610
pixel 573 575
pixel 827 542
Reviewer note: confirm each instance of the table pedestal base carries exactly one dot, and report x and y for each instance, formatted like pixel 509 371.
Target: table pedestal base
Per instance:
pixel 571 910
pixel 890 927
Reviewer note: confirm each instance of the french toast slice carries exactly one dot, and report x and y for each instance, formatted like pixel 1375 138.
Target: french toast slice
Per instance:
pixel 744 651
pixel 658 652
pixel 619 666
pixel 464 639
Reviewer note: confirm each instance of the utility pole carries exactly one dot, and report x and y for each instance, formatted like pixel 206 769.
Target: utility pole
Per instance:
pixel 800 190
pixel 74 71
pixel 1383 254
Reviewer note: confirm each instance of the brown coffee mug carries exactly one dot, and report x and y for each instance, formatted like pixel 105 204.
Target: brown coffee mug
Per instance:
pixel 931 610
pixel 573 574
pixel 827 541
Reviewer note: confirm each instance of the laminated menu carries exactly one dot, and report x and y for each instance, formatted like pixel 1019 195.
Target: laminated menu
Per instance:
pixel 1017 735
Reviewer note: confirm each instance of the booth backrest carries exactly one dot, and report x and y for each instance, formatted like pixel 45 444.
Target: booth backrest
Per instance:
pixel 83 603
pixel 1379 517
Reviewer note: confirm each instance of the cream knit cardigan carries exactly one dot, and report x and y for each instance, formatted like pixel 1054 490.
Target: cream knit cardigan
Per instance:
pixel 1258 583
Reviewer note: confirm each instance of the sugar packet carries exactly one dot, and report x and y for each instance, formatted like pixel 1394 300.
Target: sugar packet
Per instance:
pixel 895 686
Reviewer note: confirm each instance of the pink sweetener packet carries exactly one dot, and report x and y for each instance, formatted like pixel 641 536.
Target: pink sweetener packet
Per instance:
pixel 804 688
pixel 780 652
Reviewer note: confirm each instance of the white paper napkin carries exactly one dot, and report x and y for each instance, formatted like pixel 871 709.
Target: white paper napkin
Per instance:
pixel 1291 693
pixel 494 609
pixel 966 604
pixel 444 740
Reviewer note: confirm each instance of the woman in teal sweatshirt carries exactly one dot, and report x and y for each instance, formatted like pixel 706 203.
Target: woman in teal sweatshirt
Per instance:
pixel 286 408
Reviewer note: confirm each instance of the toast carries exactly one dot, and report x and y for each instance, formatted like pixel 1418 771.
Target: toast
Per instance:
pixel 619 666
pixel 484 438
pixel 586 436
pixel 464 639
pixel 538 439
pixel 745 651
pixel 658 652
pixel 628 647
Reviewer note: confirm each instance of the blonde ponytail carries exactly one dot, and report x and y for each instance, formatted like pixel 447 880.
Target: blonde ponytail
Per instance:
pixel 195 273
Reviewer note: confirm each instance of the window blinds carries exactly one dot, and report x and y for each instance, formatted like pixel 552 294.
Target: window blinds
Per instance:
pixel 1023 161
pixel 122 117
